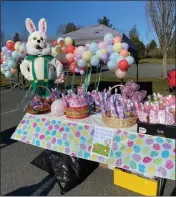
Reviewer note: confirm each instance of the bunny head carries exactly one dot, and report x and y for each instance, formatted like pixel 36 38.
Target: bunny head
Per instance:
pixel 37 44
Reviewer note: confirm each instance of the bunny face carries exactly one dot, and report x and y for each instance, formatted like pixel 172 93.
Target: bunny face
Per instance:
pixel 37 44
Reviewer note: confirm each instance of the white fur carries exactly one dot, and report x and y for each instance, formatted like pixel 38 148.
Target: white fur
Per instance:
pixel 37 38
pixel 26 67
pixel 37 45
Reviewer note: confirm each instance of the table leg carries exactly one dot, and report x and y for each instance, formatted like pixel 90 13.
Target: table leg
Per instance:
pixel 161 186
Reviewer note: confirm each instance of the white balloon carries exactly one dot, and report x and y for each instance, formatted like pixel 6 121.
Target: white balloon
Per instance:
pixel 120 74
pixel 57 108
pixel 3 71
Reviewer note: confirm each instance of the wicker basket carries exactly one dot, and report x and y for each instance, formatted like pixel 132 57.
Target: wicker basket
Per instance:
pixel 116 122
pixel 43 110
pixel 77 112
pixel 119 123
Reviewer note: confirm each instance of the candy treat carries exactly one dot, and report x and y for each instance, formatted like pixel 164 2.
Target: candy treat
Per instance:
pixel 160 109
pixel 113 109
pixel 122 105
pixel 170 116
pixel 143 116
pixel 120 110
pixel 76 100
pixel 108 104
pixel 153 116
pixel 57 94
pixel 80 91
pixel 95 98
pixel 162 116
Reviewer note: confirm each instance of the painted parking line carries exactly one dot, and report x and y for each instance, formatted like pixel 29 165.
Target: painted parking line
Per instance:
pixel 10 111
pixel 2 92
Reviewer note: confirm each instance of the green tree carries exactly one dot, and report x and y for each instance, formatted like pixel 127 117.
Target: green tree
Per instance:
pixel 134 36
pixel 67 28
pixel 105 21
pixel 152 45
pixel 16 37
pixel 151 49
pixel 70 27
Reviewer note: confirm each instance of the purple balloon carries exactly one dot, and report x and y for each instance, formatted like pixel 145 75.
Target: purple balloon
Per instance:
pixel 110 49
pixel 77 70
pixel 79 56
pixel 109 41
pixel 4 65
pixel 104 57
pixel 125 45
pixel 106 60
pixel 9 53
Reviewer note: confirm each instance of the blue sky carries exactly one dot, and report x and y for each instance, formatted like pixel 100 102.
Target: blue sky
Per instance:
pixel 122 14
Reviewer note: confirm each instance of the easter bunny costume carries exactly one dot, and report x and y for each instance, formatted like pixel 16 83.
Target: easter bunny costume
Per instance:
pixel 39 66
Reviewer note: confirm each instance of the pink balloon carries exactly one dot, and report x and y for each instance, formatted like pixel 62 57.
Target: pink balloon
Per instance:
pixel 4 57
pixel 120 74
pixel 124 53
pixel 82 72
pixel 69 55
pixel 117 39
pixel 57 108
pixel 13 70
pixel 102 45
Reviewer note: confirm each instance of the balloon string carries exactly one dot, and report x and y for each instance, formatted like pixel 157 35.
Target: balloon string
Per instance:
pixel 81 81
pixel 90 73
pixel 27 93
pixel 66 80
pixel 88 79
pixel 73 82
pixel 96 77
pixel 99 76
pixel 85 79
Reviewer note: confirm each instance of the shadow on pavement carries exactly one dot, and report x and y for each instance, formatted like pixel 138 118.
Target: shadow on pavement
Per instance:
pixel 40 189
pixel 173 192
pixel 5 137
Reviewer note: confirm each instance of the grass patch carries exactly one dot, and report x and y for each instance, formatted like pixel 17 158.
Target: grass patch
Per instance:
pixel 155 61
pixel 101 149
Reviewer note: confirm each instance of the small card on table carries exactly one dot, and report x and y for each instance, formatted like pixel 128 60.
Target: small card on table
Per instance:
pixel 102 141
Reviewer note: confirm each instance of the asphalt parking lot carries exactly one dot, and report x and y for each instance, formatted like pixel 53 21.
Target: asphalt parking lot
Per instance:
pixel 17 172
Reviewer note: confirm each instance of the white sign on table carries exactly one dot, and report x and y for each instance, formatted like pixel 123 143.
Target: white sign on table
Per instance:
pixel 102 141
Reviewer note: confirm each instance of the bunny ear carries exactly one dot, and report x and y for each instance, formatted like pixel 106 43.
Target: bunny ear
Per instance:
pixel 42 26
pixel 30 25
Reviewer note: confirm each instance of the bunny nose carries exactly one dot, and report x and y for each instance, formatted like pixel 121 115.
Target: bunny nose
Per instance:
pixel 38 41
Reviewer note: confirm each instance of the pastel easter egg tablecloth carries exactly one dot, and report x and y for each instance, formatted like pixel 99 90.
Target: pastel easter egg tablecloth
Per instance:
pixel 144 154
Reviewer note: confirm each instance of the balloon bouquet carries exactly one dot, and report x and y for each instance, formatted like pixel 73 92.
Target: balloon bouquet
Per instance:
pixel 111 52
pixel 119 59
pixel 70 55
pixel 11 54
